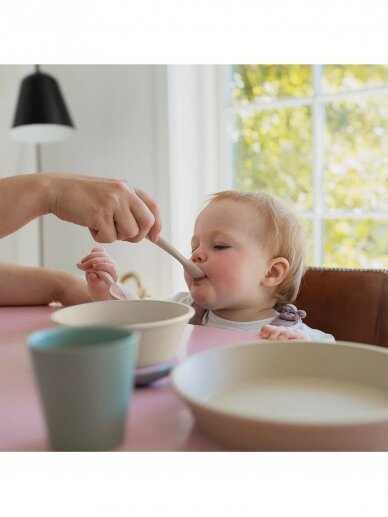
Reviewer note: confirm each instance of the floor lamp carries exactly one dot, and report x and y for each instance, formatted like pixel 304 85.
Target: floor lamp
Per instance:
pixel 41 117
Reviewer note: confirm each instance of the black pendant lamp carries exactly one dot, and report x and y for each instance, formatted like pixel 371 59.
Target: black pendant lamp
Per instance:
pixel 41 115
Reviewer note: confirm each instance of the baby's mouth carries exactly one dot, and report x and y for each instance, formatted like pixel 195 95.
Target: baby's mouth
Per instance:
pixel 198 281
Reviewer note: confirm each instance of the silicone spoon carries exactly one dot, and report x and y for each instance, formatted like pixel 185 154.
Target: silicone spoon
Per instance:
pixel 114 289
pixel 191 269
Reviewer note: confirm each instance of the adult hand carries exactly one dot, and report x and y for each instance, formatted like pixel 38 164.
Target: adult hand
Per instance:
pixel 111 209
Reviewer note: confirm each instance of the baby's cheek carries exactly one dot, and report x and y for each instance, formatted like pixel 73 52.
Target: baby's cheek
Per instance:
pixel 188 280
pixel 222 277
pixel 225 269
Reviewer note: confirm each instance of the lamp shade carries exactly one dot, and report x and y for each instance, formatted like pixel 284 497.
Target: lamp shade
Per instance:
pixel 41 115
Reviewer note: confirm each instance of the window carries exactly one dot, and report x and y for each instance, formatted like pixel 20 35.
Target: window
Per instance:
pixel 317 136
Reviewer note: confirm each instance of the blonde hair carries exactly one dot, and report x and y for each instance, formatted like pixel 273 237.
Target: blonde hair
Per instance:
pixel 285 237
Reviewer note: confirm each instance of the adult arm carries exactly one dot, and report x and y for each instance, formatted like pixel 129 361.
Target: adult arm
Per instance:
pixel 111 209
pixel 22 199
pixel 20 285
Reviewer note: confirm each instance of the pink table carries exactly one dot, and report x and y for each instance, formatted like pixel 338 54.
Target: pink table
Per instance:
pixel 158 419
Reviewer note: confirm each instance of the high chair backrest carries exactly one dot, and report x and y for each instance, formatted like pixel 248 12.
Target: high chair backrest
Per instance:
pixel 351 304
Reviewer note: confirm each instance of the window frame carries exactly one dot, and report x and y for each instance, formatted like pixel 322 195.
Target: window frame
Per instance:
pixel 317 101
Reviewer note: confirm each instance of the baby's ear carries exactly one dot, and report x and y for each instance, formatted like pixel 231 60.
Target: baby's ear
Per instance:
pixel 276 272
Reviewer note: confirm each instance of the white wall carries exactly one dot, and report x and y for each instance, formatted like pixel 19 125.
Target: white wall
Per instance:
pixel 122 131
pixel 21 247
pixel 156 126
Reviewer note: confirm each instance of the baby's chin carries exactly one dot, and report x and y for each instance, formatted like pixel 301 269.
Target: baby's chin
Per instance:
pixel 205 303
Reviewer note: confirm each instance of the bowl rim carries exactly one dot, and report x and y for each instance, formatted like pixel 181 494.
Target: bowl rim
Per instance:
pixel 134 326
pixel 379 417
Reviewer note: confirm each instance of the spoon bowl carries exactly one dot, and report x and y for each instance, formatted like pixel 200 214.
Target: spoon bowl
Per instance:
pixel 116 292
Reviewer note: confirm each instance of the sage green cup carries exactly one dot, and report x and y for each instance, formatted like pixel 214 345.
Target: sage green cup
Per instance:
pixel 85 378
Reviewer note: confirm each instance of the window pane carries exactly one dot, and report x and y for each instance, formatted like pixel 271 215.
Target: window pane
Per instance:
pixel 353 77
pixel 273 153
pixel 356 168
pixel 261 83
pixel 356 243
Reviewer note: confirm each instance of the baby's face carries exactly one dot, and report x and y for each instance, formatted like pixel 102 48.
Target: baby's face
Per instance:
pixel 226 245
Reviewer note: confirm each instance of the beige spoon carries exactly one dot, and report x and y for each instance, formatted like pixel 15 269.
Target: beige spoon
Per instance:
pixel 191 269
pixel 114 289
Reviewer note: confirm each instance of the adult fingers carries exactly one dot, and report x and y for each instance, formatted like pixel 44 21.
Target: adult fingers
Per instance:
pixel 135 222
pixel 128 220
pixel 156 224
pixel 104 233
pixel 133 214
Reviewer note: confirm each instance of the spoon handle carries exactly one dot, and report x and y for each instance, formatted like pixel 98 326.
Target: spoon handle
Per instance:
pixel 166 246
pixel 188 266
pixel 106 277
pixel 114 289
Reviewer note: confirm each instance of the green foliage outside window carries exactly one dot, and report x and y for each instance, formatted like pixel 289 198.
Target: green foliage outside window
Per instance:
pixel 273 152
pixel 258 83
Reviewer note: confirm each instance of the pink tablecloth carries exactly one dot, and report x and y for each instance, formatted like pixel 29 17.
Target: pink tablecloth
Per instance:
pixel 158 419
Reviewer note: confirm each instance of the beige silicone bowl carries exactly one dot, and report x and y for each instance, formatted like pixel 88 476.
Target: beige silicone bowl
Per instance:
pixel 161 323
pixel 289 396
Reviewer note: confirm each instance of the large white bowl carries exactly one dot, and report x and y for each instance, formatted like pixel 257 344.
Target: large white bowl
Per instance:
pixel 161 323
pixel 289 396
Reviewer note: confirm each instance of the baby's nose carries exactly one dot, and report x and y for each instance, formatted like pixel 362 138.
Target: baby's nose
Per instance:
pixel 198 256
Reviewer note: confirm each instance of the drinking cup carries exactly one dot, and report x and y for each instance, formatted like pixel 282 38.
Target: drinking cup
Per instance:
pixel 85 378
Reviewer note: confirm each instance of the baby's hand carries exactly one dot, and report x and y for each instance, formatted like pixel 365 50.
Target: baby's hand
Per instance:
pixel 98 260
pixel 273 332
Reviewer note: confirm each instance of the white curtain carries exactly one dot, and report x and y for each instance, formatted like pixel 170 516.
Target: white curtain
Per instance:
pixel 196 138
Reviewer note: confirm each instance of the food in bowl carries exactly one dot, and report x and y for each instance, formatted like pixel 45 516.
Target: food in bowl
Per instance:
pixel 161 323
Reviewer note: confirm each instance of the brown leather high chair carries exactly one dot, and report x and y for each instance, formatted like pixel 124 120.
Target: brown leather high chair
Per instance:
pixel 350 304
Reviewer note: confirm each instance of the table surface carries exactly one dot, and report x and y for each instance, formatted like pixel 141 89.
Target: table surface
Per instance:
pixel 158 420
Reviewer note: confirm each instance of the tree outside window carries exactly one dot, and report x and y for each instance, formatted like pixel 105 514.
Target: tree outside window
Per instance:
pixel 317 137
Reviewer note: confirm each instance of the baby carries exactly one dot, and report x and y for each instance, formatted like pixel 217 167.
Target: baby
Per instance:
pixel 251 249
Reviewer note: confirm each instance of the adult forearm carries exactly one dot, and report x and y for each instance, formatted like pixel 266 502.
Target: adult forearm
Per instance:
pixel 22 199
pixel 111 209
pixel 21 285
